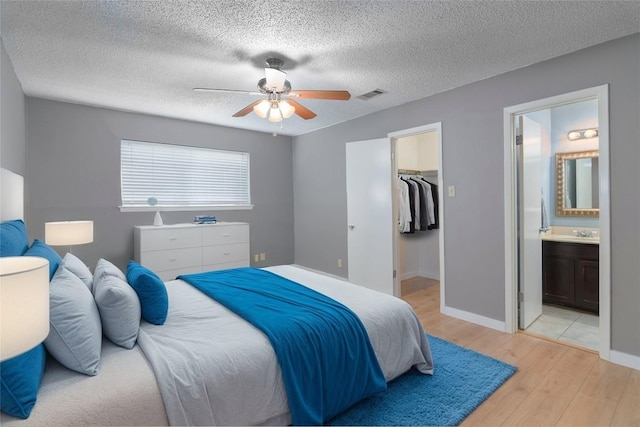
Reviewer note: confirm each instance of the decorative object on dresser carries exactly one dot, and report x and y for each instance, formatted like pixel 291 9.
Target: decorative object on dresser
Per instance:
pixel 24 307
pixel 68 233
pixel 171 250
pixel 570 275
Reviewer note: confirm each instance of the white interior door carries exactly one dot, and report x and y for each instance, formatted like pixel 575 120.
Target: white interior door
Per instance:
pixel 530 222
pixel 370 214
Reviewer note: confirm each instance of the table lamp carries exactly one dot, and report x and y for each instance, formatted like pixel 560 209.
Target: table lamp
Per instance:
pixel 24 304
pixel 69 233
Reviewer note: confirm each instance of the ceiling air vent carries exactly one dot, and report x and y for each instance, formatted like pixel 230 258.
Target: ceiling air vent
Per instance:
pixel 367 96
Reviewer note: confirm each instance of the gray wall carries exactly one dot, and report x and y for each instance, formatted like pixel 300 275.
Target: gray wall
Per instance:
pixel 472 129
pixel 12 118
pixel 73 172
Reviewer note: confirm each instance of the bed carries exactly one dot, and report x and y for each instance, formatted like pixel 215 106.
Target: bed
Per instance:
pixel 228 368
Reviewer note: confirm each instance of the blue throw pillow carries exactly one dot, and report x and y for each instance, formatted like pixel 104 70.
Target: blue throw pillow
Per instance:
pixel 151 291
pixel 41 249
pixel 20 378
pixel 13 238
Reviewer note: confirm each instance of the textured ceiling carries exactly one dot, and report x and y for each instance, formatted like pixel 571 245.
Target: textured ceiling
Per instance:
pixel 146 56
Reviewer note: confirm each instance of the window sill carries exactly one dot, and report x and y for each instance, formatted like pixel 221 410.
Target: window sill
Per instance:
pixel 185 208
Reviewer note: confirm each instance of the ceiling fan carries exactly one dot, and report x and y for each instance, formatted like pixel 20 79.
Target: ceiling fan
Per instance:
pixel 280 103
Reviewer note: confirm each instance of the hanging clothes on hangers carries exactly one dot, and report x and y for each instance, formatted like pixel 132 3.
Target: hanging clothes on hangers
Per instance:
pixel 404 209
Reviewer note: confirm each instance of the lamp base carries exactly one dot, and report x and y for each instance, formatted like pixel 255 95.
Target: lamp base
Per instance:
pixel 157 220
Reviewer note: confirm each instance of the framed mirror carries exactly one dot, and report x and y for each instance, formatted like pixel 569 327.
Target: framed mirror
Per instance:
pixel 577 189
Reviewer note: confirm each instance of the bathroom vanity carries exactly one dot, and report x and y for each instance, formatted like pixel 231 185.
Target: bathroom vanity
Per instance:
pixel 570 273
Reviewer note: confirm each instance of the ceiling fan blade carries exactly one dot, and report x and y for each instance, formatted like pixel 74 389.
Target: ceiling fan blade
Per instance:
pixel 338 95
pixel 301 110
pixel 246 110
pixel 275 79
pixel 245 92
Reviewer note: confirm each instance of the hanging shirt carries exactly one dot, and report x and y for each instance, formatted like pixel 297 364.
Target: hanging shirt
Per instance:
pixel 404 210
pixel 415 210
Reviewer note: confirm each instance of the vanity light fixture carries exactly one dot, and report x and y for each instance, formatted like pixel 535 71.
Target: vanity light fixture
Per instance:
pixel 582 134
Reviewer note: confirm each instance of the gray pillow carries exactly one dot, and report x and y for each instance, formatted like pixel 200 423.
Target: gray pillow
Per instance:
pixel 119 309
pixel 77 267
pixel 104 267
pixel 75 336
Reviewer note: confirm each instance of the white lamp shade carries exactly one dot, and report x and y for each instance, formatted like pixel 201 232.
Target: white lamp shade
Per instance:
pixel 24 304
pixel 67 233
pixel 275 115
pixel 286 109
pixel 262 108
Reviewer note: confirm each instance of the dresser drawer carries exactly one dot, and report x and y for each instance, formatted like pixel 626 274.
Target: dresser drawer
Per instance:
pixel 170 238
pixel 225 253
pixel 222 235
pixel 225 266
pixel 172 259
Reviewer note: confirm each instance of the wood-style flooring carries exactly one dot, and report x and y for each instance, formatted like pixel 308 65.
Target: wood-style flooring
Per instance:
pixel 556 384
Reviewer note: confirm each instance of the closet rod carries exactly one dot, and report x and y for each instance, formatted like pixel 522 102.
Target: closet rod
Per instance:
pixel 408 172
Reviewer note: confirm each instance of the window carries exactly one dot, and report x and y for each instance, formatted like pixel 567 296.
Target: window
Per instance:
pixel 175 177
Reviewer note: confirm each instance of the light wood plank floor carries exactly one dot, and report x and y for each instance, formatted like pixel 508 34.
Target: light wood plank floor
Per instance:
pixel 556 385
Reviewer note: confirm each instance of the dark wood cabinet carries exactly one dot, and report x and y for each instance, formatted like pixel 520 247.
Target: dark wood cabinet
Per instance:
pixel 570 275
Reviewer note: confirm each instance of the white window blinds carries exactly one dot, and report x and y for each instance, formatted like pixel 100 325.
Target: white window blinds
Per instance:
pixel 181 176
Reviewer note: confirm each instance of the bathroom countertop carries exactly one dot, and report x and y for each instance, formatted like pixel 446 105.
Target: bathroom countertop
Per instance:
pixel 568 234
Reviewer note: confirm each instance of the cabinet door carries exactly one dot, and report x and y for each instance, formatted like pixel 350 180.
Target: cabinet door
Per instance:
pixel 587 285
pixel 558 278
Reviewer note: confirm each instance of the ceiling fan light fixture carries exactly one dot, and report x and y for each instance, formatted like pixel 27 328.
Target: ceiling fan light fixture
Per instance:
pixel 274 114
pixel 262 108
pixel 286 109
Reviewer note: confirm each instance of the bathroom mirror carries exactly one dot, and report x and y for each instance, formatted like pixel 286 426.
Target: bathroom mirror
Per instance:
pixel 577 191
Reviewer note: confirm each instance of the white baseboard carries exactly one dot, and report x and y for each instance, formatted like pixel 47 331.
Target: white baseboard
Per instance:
pixel 624 359
pixel 412 274
pixel 475 318
pixel 430 275
pixel 408 275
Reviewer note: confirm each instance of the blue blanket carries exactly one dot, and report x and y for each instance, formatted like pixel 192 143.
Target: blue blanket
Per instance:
pixel 324 352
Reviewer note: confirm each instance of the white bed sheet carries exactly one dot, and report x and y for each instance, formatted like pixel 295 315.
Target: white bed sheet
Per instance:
pixel 126 391
pixel 214 368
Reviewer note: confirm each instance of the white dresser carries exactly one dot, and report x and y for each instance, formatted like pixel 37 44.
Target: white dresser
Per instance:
pixel 171 250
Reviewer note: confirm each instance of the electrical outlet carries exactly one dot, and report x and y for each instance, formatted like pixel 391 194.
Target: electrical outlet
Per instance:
pixel 339 263
pixel 257 257
pixel 263 256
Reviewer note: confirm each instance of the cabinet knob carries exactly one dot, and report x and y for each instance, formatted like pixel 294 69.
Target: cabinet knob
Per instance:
pixel 351 226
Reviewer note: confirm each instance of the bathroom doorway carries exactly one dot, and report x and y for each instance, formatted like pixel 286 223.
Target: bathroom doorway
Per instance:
pixel 558 268
pixel 558 189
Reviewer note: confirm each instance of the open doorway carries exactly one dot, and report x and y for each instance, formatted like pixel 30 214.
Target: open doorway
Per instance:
pixel 557 153
pixel 558 269
pixel 418 209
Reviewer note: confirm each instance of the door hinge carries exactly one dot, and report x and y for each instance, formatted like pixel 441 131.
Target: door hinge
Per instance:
pixel 394 274
pixel 520 297
pixel 518 139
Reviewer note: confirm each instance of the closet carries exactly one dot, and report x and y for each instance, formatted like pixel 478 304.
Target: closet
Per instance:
pixel 418 252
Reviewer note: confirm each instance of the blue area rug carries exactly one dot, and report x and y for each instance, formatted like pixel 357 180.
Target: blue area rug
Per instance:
pixel 462 380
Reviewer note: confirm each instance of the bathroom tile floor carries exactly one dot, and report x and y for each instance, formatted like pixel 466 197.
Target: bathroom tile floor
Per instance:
pixel 573 327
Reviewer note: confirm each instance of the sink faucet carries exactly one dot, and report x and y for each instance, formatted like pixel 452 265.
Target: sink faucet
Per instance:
pixel 583 233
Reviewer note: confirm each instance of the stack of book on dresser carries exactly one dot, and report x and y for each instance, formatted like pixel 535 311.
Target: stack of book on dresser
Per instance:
pixel 205 219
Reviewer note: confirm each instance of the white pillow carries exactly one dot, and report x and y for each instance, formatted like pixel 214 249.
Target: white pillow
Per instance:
pixel 75 336
pixel 104 267
pixel 119 309
pixel 77 267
